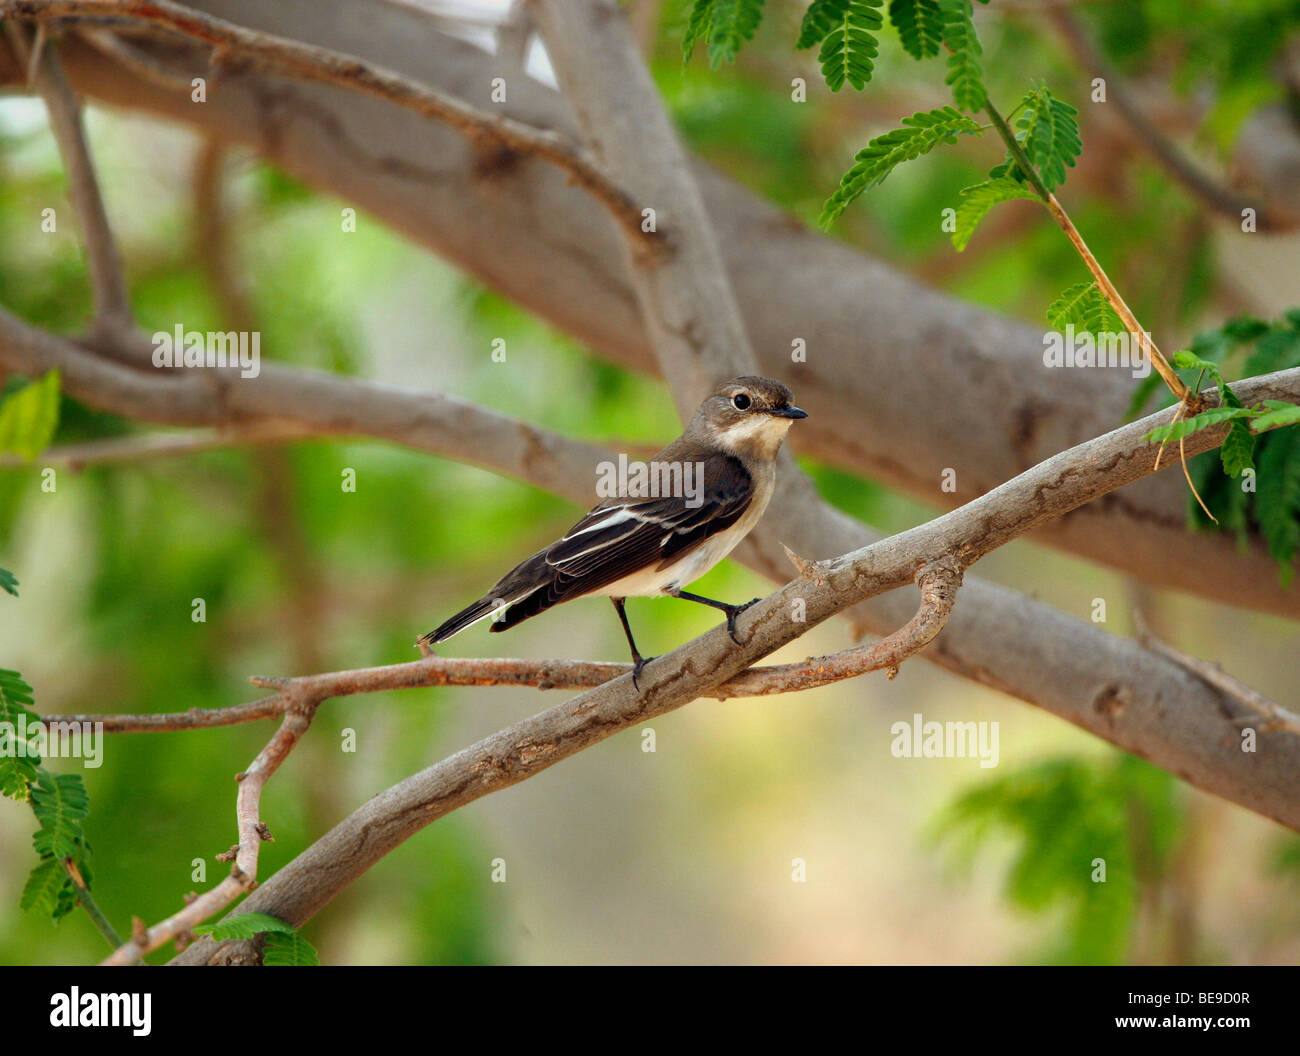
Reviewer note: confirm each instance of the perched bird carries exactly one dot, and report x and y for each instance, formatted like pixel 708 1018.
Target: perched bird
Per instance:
pixel 724 469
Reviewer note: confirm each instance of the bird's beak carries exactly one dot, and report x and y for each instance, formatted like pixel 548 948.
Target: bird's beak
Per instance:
pixel 789 412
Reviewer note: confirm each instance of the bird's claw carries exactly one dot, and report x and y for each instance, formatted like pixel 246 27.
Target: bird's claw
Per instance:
pixel 732 613
pixel 638 663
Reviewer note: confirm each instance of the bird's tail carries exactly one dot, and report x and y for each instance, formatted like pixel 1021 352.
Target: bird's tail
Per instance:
pixel 480 610
pixel 520 593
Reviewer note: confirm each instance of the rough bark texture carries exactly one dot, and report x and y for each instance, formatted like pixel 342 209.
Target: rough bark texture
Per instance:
pixel 903 382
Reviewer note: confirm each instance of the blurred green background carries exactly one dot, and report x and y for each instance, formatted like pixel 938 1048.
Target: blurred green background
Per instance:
pixel 618 855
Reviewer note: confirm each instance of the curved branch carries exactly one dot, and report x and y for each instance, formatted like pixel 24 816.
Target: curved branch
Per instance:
pixel 1205 753
pixel 236 45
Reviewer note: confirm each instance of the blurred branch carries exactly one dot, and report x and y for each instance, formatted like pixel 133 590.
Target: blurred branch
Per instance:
pixel 237 46
pixel 879 344
pixel 145 446
pixel 1216 197
pixel 1275 716
pixel 999 637
pixel 243 874
pixel 113 320
pixel 953 541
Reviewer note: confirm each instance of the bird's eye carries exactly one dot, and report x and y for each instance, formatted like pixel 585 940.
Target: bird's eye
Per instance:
pixel 741 401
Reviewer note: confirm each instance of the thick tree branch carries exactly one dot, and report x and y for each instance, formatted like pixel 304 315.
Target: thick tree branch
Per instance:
pixel 883 351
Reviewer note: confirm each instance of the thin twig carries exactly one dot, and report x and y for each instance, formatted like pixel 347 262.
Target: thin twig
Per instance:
pixel 107 277
pixel 243 874
pixel 1150 137
pixel 237 45
pixel 1104 284
pixel 938 585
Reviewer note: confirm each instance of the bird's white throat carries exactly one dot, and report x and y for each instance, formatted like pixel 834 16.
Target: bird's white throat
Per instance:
pixel 759 434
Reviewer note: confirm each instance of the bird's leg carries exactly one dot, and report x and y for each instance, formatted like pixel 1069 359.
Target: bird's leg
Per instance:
pixel 732 611
pixel 638 661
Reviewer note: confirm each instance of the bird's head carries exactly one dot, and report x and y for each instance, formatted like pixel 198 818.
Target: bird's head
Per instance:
pixel 748 416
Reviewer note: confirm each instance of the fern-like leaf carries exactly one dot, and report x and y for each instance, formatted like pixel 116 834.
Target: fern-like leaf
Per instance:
pixel 978 200
pixel 965 77
pixel 1084 307
pixel 289 950
pixel 1276 350
pixel 44 886
pixel 243 926
pixel 1187 426
pixel 698 25
pixel 8 582
pixel 1277 415
pixel 846 30
pixel 60 804
pixel 921 133
pixel 731 23
pixel 1048 128
pixel 17 771
pixel 1277 502
pixel 920 26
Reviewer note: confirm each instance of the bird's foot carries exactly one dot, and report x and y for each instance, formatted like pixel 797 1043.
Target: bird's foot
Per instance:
pixel 638 662
pixel 732 612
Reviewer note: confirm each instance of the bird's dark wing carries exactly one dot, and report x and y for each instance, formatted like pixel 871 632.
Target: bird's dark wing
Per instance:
pixel 617 539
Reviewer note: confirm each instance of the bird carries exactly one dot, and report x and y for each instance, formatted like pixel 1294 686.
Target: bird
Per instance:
pixel 634 544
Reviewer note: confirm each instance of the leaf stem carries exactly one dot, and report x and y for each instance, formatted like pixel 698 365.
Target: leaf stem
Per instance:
pixel 1104 284
pixel 89 905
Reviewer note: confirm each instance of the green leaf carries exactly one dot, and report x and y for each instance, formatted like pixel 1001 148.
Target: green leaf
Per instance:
pixel 964 74
pixel 1278 414
pixel 1186 426
pixel 44 886
pixel 29 417
pixel 243 926
pixel 1237 453
pixel 731 24
pixel 847 32
pixel 1277 500
pixel 289 950
pixel 921 133
pixel 698 25
pixel 1049 131
pixel 17 772
pixel 920 26
pixel 978 200
pixel 1083 307
pixel 8 582
pixel 60 804
pixel 1185 360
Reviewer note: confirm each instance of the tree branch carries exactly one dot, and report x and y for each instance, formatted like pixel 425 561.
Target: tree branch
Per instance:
pixel 879 345
pixel 1206 752
pixel 113 319
pixel 236 45
pixel 243 874
pixel 1147 134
